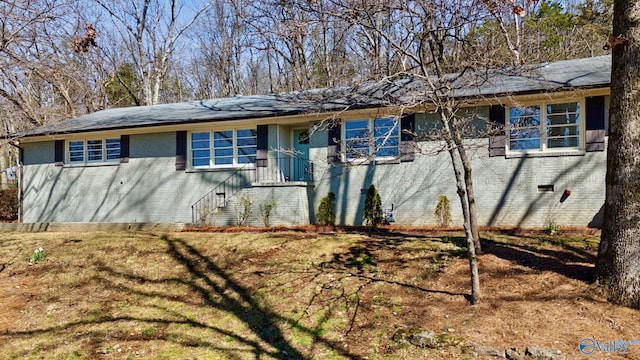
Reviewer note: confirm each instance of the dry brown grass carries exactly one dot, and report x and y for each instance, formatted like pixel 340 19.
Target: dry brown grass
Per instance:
pixel 294 294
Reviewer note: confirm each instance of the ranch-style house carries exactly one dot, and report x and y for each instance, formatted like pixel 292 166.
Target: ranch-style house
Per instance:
pixel 205 161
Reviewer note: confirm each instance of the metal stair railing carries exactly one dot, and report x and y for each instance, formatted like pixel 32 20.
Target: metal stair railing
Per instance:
pixel 218 198
pixel 288 168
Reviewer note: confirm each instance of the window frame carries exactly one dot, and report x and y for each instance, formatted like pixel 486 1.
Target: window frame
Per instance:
pixel 104 151
pixel 236 149
pixel 544 148
pixel 372 139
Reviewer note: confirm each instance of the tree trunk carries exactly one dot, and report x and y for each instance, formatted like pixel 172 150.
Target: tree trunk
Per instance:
pixel 462 194
pixel 618 264
pixel 471 197
pixel 471 251
pixel 4 184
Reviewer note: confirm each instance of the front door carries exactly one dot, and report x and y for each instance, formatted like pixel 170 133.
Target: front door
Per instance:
pixel 301 159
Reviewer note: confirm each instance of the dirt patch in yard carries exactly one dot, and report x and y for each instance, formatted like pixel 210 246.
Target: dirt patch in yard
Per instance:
pixel 15 294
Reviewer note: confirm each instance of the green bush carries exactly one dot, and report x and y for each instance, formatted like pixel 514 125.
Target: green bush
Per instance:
pixel 372 208
pixel 9 204
pixel 326 212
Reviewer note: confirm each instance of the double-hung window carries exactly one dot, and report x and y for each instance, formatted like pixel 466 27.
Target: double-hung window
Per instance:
pixel 366 138
pixel 93 150
pixel 223 148
pixel 545 127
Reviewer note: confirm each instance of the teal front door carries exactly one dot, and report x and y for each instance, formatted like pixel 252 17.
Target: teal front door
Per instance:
pixel 300 161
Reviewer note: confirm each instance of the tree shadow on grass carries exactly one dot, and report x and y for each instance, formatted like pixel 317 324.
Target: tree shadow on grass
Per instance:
pixel 215 289
pixel 218 290
pixel 362 257
pixel 569 261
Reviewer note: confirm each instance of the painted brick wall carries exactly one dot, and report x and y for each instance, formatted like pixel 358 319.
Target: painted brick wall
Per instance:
pixel 146 189
pixel 506 190
pixel 292 205
pixel 149 189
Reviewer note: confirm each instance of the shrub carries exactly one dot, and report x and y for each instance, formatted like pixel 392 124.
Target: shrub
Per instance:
pixel 326 212
pixel 266 210
pixel 244 209
pixel 372 208
pixel 443 211
pixel 208 215
pixel 9 204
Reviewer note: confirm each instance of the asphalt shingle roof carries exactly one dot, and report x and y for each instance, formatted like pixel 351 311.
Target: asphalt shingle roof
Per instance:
pixel 562 75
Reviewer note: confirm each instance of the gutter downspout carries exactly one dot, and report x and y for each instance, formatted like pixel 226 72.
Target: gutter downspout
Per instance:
pixel 20 174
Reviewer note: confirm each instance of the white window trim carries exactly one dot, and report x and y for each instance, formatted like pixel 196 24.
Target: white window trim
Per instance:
pixel 85 159
pixel 212 165
pixel 372 150
pixel 544 150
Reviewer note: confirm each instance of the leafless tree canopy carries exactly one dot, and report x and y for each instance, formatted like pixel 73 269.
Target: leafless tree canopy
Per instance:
pixel 65 58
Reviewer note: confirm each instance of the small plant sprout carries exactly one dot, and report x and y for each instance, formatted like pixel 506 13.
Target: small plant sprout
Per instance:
pixel 36 256
pixel 552 228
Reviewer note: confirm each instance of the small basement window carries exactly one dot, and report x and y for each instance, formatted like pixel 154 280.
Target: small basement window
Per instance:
pixel 545 188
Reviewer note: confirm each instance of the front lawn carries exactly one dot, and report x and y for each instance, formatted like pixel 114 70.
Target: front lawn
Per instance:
pixel 294 294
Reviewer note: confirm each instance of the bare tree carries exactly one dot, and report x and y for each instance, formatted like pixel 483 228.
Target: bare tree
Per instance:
pixel 525 31
pixel 148 32
pixel 281 30
pixel 222 41
pixel 331 64
pixel 506 12
pixel 428 41
pixel 42 80
pixel 39 77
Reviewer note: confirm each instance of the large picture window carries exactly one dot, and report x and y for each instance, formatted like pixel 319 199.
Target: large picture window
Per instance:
pixel 93 150
pixel 371 137
pixel 223 148
pixel 541 127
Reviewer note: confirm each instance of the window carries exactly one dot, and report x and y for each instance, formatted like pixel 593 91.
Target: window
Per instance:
pixel 303 138
pixel 223 148
pixel 246 143
pixel 356 135
pixel 374 137
pixel 542 127
pixel 386 137
pixel 94 150
pixel 112 149
pixel 200 152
